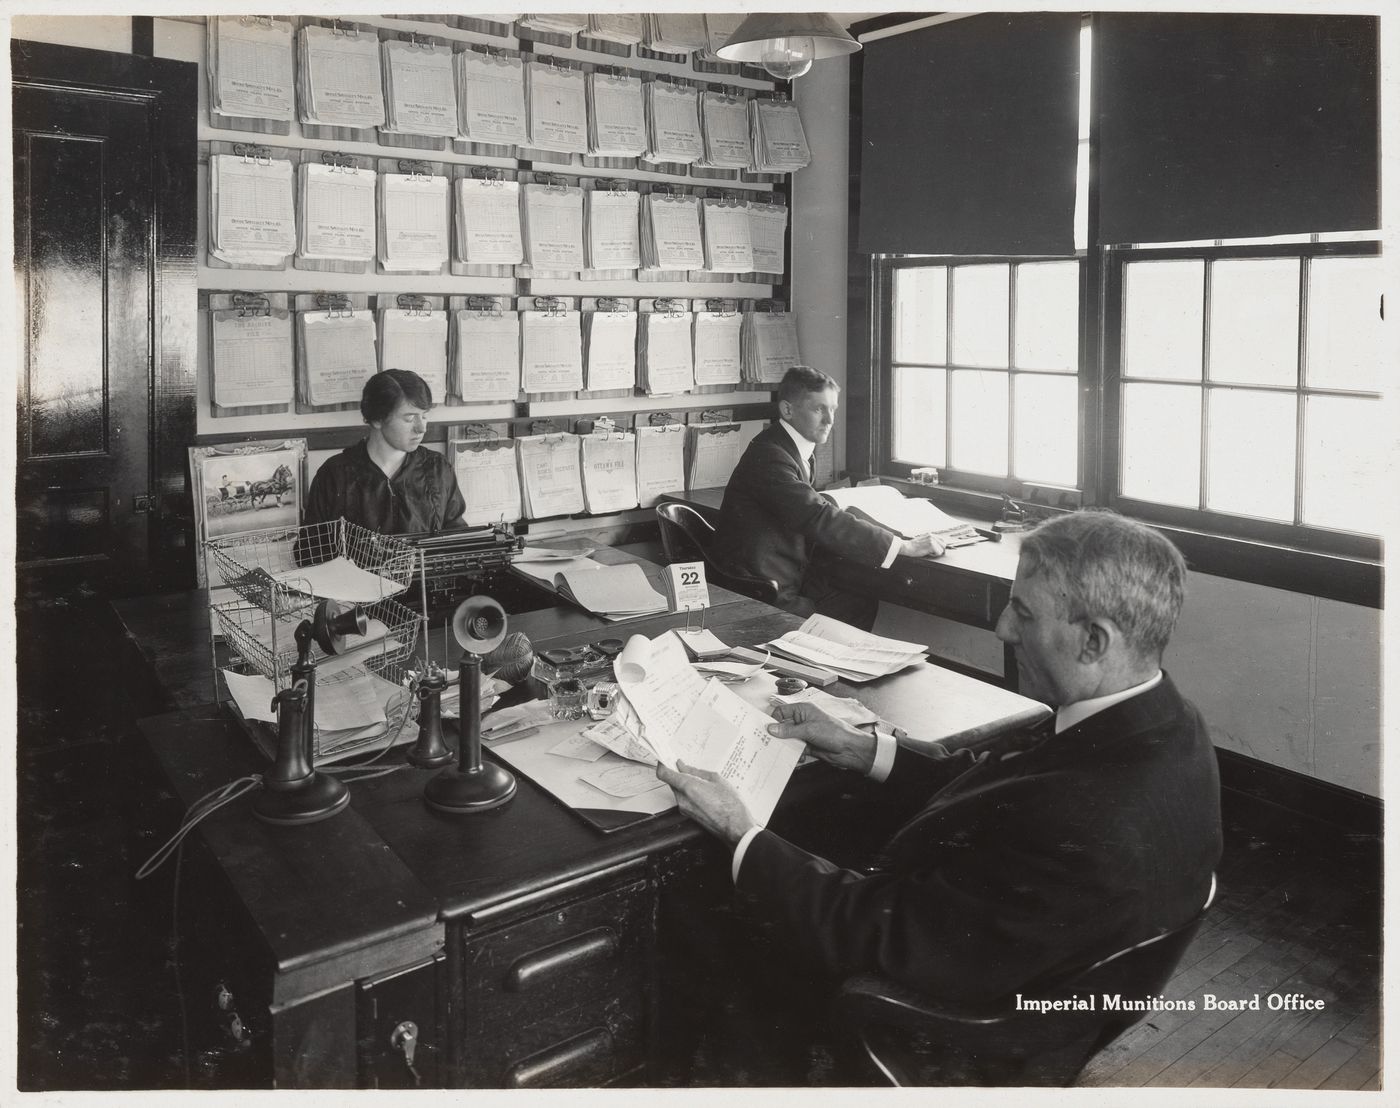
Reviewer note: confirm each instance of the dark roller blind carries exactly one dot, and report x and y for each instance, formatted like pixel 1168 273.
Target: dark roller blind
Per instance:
pixel 969 132
pixel 1233 126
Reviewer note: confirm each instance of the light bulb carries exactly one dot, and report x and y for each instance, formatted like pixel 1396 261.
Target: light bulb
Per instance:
pixel 788 57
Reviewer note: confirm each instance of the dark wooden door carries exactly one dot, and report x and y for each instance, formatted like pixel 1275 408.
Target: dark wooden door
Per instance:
pixel 83 213
pixel 104 163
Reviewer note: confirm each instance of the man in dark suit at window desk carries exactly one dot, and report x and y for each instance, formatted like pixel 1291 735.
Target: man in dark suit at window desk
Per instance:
pixel 772 515
pixel 1034 853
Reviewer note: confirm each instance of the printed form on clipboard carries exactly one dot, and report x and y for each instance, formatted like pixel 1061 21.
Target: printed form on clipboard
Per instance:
pixel 906 516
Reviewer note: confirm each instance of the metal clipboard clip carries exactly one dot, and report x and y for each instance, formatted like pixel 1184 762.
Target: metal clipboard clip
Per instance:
pixel 338 162
pixel 415 169
pixel 488 175
pixel 552 182
pixel 251 304
pixel 552 306
pixel 415 304
pixel 251 152
pixel 336 304
pixel 722 306
pixel 485 306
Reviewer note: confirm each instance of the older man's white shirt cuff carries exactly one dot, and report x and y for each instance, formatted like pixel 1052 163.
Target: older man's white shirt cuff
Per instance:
pixel 885 747
pixel 895 544
pixel 740 850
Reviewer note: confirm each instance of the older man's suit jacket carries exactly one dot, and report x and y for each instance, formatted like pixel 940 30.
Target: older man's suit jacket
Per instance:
pixel 772 516
pixel 1016 868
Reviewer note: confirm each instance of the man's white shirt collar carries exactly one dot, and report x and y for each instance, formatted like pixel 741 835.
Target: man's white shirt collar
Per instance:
pixel 805 447
pixel 1071 714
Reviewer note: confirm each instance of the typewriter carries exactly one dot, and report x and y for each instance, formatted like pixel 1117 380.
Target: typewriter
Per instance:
pixel 465 561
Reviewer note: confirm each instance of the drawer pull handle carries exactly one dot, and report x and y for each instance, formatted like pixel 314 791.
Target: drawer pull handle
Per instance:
pixel 551 1066
pixel 592 946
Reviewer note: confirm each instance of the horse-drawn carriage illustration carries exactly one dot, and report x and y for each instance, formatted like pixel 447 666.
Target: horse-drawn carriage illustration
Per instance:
pixel 257 492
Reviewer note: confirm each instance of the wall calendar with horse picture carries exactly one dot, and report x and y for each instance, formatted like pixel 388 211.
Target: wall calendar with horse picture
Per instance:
pixel 241 487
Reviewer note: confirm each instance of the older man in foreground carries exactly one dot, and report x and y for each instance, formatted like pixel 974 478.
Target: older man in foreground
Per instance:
pixel 1033 853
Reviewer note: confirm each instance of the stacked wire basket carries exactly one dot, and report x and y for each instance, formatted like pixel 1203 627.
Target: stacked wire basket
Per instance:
pixel 271 598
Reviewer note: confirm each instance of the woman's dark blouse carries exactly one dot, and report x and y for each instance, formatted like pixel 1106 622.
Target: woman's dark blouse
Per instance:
pixel 422 496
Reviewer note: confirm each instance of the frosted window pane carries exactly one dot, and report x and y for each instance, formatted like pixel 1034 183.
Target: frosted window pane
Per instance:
pixel 979 422
pixel 1162 443
pixel 921 315
pixel 1344 444
pixel 920 416
pixel 1254 321
pixel 1047 316
pixel 981 314
pixel 1162 319
pixel 1250 453
pixel 1344 323
pixel 1047 430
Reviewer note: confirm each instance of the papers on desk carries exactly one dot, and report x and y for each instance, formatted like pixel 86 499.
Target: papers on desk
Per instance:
pixel 906 516
pixel 845 708
pixel 613 592
pixel 703 723
pixel 847 651
pixel 339 579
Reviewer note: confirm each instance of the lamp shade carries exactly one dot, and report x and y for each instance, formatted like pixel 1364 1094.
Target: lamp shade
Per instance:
pixel 753 38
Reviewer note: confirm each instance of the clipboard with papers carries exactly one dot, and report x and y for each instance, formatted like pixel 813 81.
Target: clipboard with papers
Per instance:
pixel 906 516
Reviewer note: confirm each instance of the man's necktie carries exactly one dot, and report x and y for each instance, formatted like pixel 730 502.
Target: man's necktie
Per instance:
pixel 812 470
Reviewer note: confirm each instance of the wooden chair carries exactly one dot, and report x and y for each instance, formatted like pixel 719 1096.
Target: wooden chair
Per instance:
pixel 686 533
pixel 915 1042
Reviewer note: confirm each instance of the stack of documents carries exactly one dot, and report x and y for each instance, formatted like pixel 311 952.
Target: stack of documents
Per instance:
pixel 250 67
pixel 610 350
pixel 847 651
pixel 728 244
pixel 714 452
pixel 491 98
pixel 337 212
pixel 487 356
pixel 672 33
pixel 768 232
pixel 488 222
pixel 551 481
pixel 673 123
pixel 718 27
pixel 769 345
pixel 623 28
pixel 724 123
pixel 410 338
pixel 613 592
pixel 413 209
pixel 552 218
pixel 678 716
pixel 251 357
pixel 335 355
pixel 609 472
pixel 906 516
pixel 617 125
pixel 779 142
pixel 660 462
pixel 557 106
pixel 339 78
pixel 671 238
pixel 664 353
pixel 490 482
pixel 420 95
pixel 562 23
pixel 252 220
pixel 551 351
pixel 614 233
pixel 717 357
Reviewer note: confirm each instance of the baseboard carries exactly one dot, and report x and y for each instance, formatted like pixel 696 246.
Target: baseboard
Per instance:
pixel 1351 812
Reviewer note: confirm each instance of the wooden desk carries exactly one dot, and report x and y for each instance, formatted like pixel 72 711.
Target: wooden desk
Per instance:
pixel 527 948
pixel 968 584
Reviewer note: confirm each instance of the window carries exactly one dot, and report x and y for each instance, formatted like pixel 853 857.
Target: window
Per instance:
pixel 1244 390
pixel 984 359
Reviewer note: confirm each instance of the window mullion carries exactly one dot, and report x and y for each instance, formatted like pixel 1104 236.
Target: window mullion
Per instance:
pixel 1205 386
pixel 1304 275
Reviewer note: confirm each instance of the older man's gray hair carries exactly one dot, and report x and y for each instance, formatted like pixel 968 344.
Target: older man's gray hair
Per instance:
pixel 1103 564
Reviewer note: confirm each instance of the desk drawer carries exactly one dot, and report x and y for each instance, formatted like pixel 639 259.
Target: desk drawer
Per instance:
pixel 558 998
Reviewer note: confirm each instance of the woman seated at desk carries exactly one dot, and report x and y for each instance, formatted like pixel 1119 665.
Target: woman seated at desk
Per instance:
pixel 389 482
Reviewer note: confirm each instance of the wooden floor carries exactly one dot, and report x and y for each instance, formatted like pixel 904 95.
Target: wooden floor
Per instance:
pixel 1298 911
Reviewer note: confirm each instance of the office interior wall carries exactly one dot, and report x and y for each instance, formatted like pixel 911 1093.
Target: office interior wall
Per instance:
pixel 100 32
pixel 818 277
